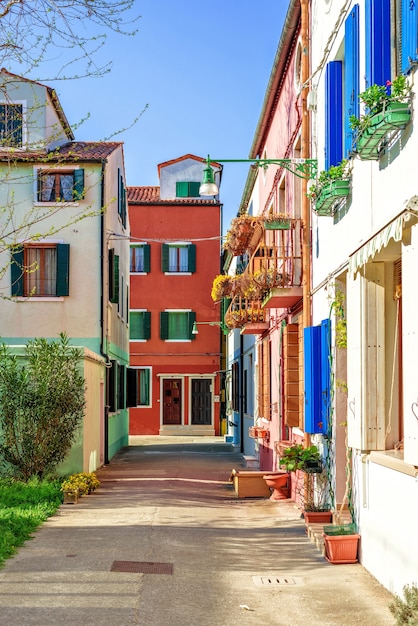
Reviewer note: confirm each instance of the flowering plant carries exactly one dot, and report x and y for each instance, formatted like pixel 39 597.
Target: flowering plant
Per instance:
pixel 83 483
pixel 376 99
pixel 335 172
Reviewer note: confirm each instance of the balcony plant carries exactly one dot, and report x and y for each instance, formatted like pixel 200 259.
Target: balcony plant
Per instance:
pixel 387 109
pixel 331 186
pixel 239 235
pixel 276 221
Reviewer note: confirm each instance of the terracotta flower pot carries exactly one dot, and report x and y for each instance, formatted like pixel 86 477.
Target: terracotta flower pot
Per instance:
pixel 317 517
pixel 341 549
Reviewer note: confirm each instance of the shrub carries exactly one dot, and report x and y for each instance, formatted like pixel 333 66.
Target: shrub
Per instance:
pixel 405 609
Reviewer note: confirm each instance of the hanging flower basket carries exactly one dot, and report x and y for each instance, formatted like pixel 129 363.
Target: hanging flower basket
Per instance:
pixel 395 116
pixel 330 193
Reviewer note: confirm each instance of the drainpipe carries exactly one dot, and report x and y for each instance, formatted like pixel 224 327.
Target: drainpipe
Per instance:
pixel 103 317
pixel 241 385
pixel 305 154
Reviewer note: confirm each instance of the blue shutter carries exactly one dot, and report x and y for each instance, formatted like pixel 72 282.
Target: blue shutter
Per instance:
pixel 333 114
pixel 63 269
pixel 409 34
pixel 378 47
pixel 325 374
pixel 312 377
pixel 16 270
pixel 317 377
pixel 351 76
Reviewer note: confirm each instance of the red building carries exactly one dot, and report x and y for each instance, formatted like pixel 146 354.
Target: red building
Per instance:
pixel 175 255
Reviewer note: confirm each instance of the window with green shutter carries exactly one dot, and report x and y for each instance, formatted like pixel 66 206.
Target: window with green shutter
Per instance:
pixel 60 186
pixel 140 258
pixel 177 325
pixel 138 386
pixel 40 270
pixel 139 325
pixel 186 189
pixel 178 258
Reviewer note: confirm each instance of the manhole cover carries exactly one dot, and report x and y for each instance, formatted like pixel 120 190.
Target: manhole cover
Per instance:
pixel 277 581
pixel 142 567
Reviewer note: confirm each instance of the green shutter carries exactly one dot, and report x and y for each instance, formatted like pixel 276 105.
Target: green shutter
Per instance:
pixel 63 269
pixel 192 258
pixel 78 191
pixel 182 189
pixel 194 190
pixel 144 387
pixel 147 258
pixel 147 325
pixel 191 320
pixel 115 278
pixel 16 268
pixel 110 271
pixel 111 385
pixel 164 324
pixel 164 257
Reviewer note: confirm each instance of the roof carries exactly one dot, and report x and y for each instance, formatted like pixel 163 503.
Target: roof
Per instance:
pixel 151 195
pixel 87 151
pixel 54 98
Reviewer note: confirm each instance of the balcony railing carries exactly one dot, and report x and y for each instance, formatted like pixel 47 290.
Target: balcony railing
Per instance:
pixel 243 311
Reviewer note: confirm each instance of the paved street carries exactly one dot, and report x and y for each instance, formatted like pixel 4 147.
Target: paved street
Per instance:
pixel 166 507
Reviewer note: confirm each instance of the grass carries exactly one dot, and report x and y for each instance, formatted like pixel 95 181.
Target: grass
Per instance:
pixel 23 507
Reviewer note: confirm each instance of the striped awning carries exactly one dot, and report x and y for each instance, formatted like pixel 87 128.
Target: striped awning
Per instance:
pixel 380 240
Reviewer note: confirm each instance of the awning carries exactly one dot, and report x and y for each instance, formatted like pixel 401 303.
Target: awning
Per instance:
pixel 380 240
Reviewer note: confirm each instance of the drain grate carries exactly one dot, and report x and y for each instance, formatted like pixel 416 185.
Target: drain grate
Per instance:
pixel 142 567
pixel 277 581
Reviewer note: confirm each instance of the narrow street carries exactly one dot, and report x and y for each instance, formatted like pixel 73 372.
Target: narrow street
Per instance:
pixel 166 507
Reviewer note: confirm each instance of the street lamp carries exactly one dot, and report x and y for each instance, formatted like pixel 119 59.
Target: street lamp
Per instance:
pixel 303 168
pixel 195 325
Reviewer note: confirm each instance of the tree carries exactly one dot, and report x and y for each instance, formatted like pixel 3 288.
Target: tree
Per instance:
pixel 33 31
pixel 42 400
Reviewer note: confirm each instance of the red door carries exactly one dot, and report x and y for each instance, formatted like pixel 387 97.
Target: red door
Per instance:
pixel 172 402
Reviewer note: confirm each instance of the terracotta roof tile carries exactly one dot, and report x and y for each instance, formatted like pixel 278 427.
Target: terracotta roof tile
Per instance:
pixel 71 151
pixel 151 195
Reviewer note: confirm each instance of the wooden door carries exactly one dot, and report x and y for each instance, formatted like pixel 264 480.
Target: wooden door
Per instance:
pixel 201 402
pixel 172 401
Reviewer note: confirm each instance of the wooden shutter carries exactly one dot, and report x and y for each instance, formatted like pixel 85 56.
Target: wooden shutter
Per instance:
pixel 112 385
pixel 291 374
pixel 63 269
pixel 351 76
pixel 191 258
pixel 164 324
pixel 333 114
pixel 365 358
pixel 114 278
pixel 409 34
pixel 316 342
pixel 16 271
pixel 78 190
pixel 165 257
pixel 147 258
pixel 378 36
pixel 191 318
pixel 264 380
pixel 131 386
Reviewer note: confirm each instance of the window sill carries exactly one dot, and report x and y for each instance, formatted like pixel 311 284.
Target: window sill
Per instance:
pixel 133 273
pixel 177 340
pixel 178 273
pixel 393 459
pixel 57 204
pixel 39 299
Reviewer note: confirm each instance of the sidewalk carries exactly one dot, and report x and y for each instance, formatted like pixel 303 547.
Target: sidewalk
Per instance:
pixel 165 542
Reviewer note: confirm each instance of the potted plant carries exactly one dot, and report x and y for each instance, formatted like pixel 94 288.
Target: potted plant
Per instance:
pixel 276 221
pixel 239 235
pixel 78 485
pixel 387 108
pixel 331 186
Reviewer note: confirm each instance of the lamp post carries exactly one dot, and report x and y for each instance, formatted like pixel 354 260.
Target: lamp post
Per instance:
pixel 195 325
pixel 303 168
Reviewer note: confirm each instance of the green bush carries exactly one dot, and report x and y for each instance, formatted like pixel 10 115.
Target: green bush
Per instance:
pixel 406 609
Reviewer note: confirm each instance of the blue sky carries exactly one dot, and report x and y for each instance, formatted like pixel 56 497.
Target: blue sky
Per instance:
pixel 201 68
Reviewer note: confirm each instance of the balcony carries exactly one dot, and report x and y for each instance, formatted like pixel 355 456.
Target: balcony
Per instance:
pixel 246 314
pixel 274 271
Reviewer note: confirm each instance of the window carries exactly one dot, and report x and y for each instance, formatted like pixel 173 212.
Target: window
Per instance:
pixel 187 189
pixel 41 270
pixel 177 325
pixel 138 386
pixel 140 258
pixel 62 186
pixel 178 258
pixel 11 125
pixel 113 278
pixel 378 42
pixel 235 387
pixel 333 113
pixel 139 325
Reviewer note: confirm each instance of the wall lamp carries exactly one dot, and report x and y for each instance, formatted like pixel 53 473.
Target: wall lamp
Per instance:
pixel 303 168
pixel 195 325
